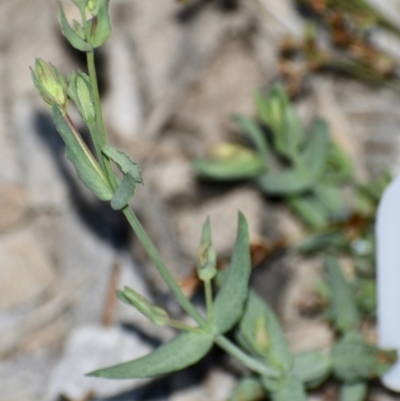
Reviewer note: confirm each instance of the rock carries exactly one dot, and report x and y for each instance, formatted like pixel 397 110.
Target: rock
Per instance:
pixel 122 105
pixel 173 179
pixel 223 212
pixel 13 205
pixel 25 268
pixel 91 347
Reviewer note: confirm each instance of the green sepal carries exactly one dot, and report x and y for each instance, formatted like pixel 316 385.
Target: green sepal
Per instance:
pixel 231 298
pixel 285 183
pixel 343 309
pixel 248 389
pixel 182 351
pixel 353 391
pixel 102 25
pixel 88 170
pixel 256 136
pixel 262 333
pixel 73 37
pixel 312 367
pixel 132 176
pixel 354 360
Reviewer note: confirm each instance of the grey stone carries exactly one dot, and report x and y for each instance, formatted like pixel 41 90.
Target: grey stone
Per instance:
pixel 25 268
pixel 13 205
pixel 91 347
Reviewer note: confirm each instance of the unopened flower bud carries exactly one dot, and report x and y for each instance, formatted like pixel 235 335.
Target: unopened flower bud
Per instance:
pixel 206 255
pixel 93 6
pixel 49 83
pixel 155 314
pixel 80 92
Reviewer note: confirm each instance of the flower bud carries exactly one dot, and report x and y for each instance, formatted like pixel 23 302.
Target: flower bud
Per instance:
pixel 80 92
pixel 206 255
pixel 155 314
pixel 93 6
pixel 49 83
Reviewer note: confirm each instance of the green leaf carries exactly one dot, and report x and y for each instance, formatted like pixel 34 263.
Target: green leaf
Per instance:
pixel 240 165
pixel 291 389
pixel 261 331
pixel 103 28
pixel 73 38
pixel 331 198
pixel 132 176
pixel 285 183
pixel 256 135
pixel 331 240
pixel 86 167
pixel 343 308
pixel 312 367
pixel 310 210
pixel 292 135
pixel 184 350
pixel 353 392
pixel 231 298
pixel 314 156
pixel 248 389
pixel 354 360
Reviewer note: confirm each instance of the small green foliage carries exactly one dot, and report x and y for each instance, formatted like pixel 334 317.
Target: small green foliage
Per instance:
pixel 73 36
pixel 132 176
pixel 86 166
pixel 181 352
pixel 343 309
pixel 230 301
pixel 355 361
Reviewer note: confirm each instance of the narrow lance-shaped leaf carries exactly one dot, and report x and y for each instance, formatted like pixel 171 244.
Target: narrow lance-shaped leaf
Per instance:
pixel 182 351
pixel 262 332
pixel 343 308
pixel 230 161
pixel 256 135
pixel 132 176
pixel 315 154
pixel 73 38
pixel 86 167
pixel 229 303
pixel 285 183
pixel 332 199
pixel 310 210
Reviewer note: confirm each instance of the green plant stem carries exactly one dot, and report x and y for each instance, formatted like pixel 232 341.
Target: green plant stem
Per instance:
pixel 152 251
pixel 99 118
pixel 182 326
pixel 209 301
pixel 252 363
pixel 162 269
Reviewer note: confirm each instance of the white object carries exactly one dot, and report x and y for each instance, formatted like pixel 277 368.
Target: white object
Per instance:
pixel 388 259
